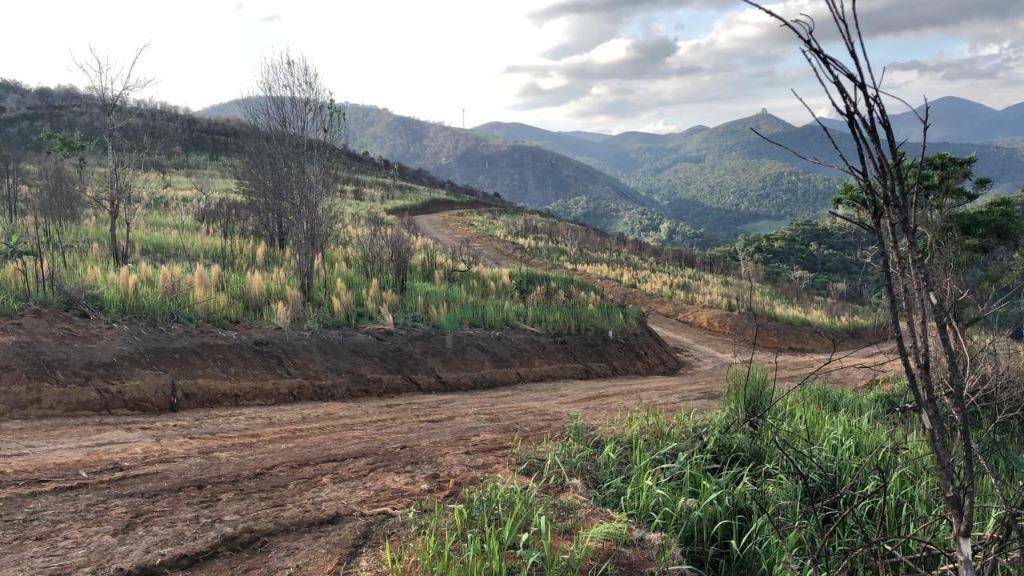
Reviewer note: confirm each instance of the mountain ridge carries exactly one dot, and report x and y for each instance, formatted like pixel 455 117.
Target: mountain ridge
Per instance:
pixel 703 184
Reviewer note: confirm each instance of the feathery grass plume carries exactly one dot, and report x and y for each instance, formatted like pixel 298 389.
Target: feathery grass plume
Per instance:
pixel 91 277
pixel 200 283
pixel 261 254
pixel 341 300
pixel 282 315
pixel 133 285
pixel 122 278
pixel 254 289
pixel 166 280
pixel 278 277
pixel 96 253
pixel 216 276
pixel 438 277
pixel 145 271
pixel 293 298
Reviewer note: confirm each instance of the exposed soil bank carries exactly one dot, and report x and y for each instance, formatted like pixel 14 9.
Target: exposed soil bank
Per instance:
pixel 52 364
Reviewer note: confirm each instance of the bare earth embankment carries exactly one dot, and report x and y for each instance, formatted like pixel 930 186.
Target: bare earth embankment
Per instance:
pixel 302 488
pixel 54 364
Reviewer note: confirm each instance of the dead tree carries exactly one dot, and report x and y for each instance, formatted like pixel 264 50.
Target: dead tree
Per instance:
pixel 12 175
pixel 385 254
pixel 886 200
pixel 289 169
pixel 58 202
pixel 112 86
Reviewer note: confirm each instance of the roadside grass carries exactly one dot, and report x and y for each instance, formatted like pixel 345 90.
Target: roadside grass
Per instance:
pixel 816 480
pixel 559 244
pixel 184 270
pixel 498 528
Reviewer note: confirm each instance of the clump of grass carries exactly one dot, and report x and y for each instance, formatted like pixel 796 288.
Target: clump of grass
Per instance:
pixel 498 528
pixel 776 482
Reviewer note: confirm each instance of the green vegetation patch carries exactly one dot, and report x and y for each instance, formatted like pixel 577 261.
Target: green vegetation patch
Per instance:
pixel 804 481
pixel 566 245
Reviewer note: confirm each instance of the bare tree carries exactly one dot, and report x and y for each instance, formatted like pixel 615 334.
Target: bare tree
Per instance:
pixel 889 200
pixel 289 173
pixel 385 254
pixel 12 173
pixel 58 201
pixel 113 86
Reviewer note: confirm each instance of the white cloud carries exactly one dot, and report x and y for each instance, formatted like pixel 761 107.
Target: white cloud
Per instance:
pixel 744 60
pixel 563 64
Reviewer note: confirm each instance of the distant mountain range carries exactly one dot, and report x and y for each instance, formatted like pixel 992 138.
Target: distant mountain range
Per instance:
pixel 727 180
pixel 704 185
pixel 955 119
pixel 525 174
pixel 701 186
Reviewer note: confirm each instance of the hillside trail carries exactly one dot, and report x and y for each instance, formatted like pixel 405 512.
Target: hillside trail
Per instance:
pixel 306 488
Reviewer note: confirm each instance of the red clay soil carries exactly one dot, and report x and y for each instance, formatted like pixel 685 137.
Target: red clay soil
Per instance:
pixel 304 488
pixel 450 230
pixel 307 488
pixel 52 363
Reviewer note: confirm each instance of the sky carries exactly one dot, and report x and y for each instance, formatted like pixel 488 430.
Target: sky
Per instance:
pixel 600 65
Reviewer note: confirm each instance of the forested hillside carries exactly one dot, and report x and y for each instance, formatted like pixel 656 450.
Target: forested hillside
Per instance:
pixel 727 180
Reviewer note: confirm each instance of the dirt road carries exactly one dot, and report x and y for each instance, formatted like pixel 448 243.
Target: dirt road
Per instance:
pixel 300 488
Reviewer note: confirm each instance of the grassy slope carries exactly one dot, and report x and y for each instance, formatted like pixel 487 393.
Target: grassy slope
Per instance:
pixel 551 241
pixel 184 271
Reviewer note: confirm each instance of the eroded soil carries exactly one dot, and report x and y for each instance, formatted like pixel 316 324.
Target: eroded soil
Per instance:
pixel 304 488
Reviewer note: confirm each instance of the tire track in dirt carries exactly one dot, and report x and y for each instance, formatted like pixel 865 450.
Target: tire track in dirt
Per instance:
pixel 298 488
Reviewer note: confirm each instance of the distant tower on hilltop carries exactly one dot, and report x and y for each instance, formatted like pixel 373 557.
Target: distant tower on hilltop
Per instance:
pixel 764 111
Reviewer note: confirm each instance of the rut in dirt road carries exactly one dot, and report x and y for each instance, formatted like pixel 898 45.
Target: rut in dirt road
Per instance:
pixel 299 488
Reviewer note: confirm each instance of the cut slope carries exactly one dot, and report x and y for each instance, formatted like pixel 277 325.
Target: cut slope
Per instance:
pixel 52 364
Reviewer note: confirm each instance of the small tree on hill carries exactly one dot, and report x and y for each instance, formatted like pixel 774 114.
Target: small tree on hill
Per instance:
pixel 113 86
pixel 289 172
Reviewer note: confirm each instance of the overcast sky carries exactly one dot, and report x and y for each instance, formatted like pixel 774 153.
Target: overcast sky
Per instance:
pixel 606 65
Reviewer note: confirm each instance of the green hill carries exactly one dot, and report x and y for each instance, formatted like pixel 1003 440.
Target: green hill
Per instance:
pixel 726 180
pixel 526 174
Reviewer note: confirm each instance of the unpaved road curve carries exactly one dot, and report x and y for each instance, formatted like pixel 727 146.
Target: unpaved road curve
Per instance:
pixel 293 489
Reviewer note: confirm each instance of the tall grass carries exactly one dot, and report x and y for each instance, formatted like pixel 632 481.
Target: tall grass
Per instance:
pixel 705 286
pixel 497 529
pixel 814 480
pixel 182 270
